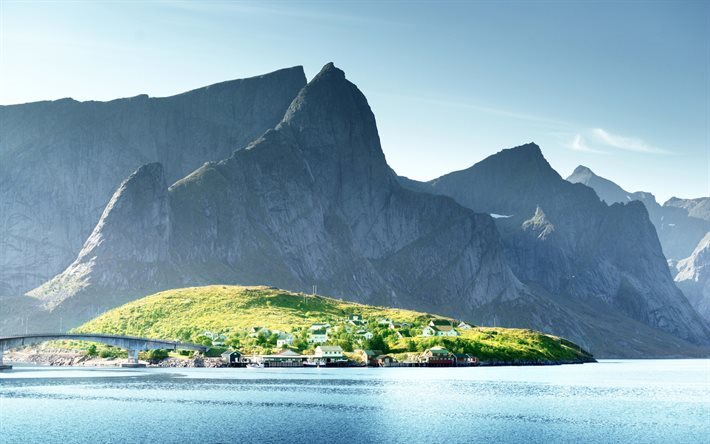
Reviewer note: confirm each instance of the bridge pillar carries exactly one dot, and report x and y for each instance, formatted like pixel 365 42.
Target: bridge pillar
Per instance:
pixel 3 366
pixel 132 359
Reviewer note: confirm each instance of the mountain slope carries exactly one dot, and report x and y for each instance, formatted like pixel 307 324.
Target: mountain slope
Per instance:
pixel 693 277
pixel 678 230
pixel 312 201
pixel 560 237
pixel 60 161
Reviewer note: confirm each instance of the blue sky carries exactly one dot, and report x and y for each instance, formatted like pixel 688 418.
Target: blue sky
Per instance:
pixel 622 87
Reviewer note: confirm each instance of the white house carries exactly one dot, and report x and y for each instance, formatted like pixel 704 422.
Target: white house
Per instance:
pixel 284 339
pixel 464 326
pixel 328 352
pixel 437 329
pixel 428 331
pixel 318 336
pixel 319 326
pixel 364 334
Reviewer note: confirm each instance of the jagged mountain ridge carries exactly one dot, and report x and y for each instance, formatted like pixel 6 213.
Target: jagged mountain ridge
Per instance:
pixel 678 230
pixel 698 207
pixel 310 202
pixel 60 161
pixel 561 237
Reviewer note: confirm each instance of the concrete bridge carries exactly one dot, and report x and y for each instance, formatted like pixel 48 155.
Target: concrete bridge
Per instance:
pixel 132 344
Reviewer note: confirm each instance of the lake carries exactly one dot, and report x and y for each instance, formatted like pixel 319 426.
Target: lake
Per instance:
pixel 650 401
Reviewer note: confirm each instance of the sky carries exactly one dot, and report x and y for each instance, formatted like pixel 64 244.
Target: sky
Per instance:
pixel 620 87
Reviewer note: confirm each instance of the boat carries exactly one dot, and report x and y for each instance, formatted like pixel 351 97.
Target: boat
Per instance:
pixel 311 364
pixel 257 365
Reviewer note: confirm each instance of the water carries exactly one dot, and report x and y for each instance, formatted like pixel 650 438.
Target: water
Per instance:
pixel 613 401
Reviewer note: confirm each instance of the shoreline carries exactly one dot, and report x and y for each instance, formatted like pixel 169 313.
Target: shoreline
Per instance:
pixel 68 358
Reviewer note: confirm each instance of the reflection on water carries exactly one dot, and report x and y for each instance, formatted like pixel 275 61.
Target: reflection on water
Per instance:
pixel 613 401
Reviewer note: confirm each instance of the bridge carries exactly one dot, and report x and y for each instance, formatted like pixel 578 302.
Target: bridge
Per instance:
pixel 132 344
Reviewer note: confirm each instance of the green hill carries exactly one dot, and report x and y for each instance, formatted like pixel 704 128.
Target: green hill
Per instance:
pixel 225 316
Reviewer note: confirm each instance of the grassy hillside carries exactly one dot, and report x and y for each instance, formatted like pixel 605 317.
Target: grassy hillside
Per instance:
pixel 230 312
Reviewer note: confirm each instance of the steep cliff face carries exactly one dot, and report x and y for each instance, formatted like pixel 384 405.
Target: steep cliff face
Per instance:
pixel 311 202
pixel 561 237
pixel 680 223
pixel 693 277
pixel 60 161
pixel 128 248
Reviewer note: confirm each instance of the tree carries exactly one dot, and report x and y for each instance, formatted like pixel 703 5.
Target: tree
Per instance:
pixel 345 345
pixel 156 355
pixel 233 341
pixel 376 343
pixel 91 351
pixel 411 345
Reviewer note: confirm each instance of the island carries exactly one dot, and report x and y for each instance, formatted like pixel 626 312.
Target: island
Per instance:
pixel 266 326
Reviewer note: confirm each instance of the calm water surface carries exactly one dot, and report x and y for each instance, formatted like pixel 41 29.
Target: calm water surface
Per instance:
pixel 613 401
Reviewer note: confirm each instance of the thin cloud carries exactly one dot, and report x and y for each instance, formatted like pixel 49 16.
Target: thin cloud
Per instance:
pixel 625 143
pixel 479 108
pixel 578 144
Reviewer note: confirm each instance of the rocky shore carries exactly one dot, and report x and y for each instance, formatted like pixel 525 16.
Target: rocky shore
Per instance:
pixel 66 358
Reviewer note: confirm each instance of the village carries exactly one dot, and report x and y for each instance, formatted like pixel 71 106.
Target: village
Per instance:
pixel 351 342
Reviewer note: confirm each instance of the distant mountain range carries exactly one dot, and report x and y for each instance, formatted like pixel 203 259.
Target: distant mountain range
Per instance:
pixel 693 277
pixel 680 223
pixel 683 227
pixel 310 200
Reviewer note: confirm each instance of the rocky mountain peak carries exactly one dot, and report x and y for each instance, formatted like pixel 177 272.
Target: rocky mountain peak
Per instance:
pixel 331 123
pixel 581 174
pixel 139 205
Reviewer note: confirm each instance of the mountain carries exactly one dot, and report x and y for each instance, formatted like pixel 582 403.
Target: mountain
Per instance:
pixel 693 277
pixel 698 208
pixel 60 161
pixel 561 239
pixel 679 230
pixel 313 202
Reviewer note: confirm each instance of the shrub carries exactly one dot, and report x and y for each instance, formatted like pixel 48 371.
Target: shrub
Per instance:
pixel 91 351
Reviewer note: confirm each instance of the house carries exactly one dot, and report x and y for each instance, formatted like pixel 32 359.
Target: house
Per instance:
pixel 217 339
pixel 256 331
pixel 319 326
pixel 385 360
pixel 318 336
pixel 369 357
pixel 284 339
pixel 328 353
pixel 464 360
pixel 355 317
pixel 400 334
pixel 428 331
pixel 439 327
pixel 464 326
pixel 285 358
pixel 438 357
pixel 364 334
pixel 384 322
pixel 232 358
